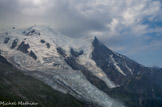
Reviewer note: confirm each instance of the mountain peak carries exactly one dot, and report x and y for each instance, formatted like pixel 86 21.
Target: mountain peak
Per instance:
pixel 41 40
pixel 95 38
pixel 83 67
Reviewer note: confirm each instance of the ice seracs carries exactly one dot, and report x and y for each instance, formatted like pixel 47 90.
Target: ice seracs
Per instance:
pixel 35 51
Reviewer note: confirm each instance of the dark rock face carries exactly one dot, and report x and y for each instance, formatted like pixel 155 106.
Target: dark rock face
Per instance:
pixel 61 52
pixel 141 88
pixel 102 56
pixel 106 60
pixel 42 41
pixel 138 93
pixel 48 45
pixel 154 75
pixel 54 64
pixel 6 40
pixel 32 54
pixel 76 54
pixel 31 32
pixel 23 47
pixel 14 44
pixel 72 62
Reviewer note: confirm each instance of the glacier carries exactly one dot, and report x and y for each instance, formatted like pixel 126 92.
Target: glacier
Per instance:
pixel 51 68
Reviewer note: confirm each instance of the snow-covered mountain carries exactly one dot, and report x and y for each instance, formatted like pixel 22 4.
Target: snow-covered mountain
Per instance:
pixel 82 67
pixel 41 52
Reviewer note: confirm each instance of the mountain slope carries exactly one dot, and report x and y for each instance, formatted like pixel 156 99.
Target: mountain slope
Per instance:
pixel 27 50
pixel 16 86
pixel 82 67
pixel 138 85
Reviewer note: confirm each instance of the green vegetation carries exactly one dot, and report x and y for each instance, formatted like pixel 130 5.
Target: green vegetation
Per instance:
pixel 15 86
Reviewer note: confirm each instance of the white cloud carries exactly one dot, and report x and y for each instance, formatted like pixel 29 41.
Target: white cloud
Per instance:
pixel 109 19
pixel 35 7
pixel 118 23
pixel 119 17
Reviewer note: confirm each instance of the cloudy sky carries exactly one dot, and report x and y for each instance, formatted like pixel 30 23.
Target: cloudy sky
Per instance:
pixel 130 27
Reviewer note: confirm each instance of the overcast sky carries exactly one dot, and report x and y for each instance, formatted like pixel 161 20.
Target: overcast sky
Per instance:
pixel 130 27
